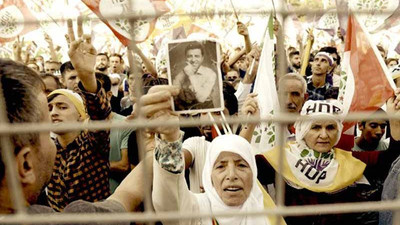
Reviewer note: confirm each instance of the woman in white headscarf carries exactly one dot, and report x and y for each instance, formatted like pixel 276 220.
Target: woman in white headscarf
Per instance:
pixel 318 173
pixel 229 177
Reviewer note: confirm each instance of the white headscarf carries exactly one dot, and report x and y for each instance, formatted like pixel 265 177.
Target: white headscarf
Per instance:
pixel 315 109
pixel 238 145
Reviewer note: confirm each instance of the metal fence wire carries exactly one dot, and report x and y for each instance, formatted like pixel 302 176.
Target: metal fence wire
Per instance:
pixel 149 216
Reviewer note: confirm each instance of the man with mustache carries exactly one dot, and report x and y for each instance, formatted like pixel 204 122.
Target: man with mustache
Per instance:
pixel 294 62
pixel 292 93
pixel 102 62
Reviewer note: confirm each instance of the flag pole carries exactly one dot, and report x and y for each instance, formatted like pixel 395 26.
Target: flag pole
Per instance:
pixel 273 8
pixel 307 50
pixel 214 124
pixel 306 54
pixel 38 5
pixel 226 124
pixel 234 10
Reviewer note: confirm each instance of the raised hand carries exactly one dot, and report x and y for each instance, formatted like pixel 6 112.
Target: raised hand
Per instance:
pixel 156 105
pixel 277 26
pixel 250 105
pixel 81 51
pixel 189 69
pixel 310 34
pixel 82 55
pixel 339 34
pixel 225 62
pixel 17 49
pixel 48 39
pixel 242 29
pixel 252 61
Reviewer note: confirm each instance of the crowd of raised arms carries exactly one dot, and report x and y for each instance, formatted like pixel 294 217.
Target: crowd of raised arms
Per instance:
pixel 200 168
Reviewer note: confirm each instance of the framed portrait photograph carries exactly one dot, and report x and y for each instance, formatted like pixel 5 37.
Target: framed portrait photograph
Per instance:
pixel 194 66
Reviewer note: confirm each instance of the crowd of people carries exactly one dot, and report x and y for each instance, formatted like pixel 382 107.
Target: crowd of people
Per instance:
pixel 203 168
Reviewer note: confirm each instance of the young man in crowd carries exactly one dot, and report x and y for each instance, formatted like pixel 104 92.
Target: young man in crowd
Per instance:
pixel 231 76
pixel 81 169
pixel 294 62
pixel 317 84
pixel 51 66
pixel 69 76
pixel 370 140
pixel 372 132
pixel 102 62
pixel 333 76
pixel 35 153
pixel 33 66
pixel 51 82
pixel 119 161
pixel 116 63
pixel 115 69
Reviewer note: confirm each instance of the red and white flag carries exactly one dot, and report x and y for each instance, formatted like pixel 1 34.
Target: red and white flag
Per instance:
pixel 369 83
pixel 118 10
pixel 15 20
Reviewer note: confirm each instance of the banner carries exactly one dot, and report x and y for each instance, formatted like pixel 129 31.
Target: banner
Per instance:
pixel 264 135
pixel 328 23
pixel 117 10
pixel 15 20
pixel 392 21
pixel 158 41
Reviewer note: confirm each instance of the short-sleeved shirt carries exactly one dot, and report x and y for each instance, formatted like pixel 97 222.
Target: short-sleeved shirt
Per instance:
pixel 118 140
pixel 197 146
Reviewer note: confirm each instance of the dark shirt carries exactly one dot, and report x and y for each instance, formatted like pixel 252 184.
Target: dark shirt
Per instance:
pixel 317 93
pixel 116 102
pixel 108 206
pixel 378 163
pixel 81 170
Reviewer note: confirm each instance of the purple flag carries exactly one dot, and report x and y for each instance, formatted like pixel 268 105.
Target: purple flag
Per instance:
pixel 179 33
pixel 397 49
pixel 331 32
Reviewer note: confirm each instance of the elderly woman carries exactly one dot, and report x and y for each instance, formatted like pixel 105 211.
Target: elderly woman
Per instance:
pixel 229 175
pixel 317 173
pixel 230 183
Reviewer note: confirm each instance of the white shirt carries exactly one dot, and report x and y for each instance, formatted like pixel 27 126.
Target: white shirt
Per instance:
pixel 197 147
pixel 201 82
